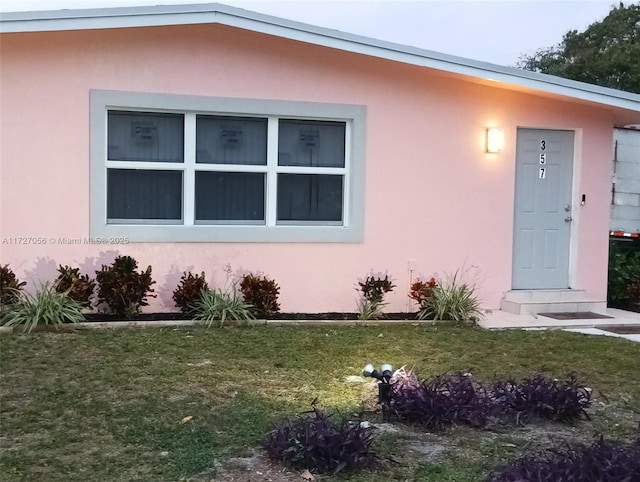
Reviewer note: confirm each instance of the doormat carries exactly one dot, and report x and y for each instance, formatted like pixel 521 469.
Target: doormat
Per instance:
pixel 622 330
pixel 575 315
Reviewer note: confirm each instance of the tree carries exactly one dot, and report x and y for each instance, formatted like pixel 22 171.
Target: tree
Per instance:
pixel 607 53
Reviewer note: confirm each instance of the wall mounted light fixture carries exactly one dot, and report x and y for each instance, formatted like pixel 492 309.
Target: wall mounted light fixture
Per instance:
pixel 495 139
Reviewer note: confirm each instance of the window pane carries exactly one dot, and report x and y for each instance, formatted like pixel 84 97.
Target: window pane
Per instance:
pixel 311 143
pixel 141 136
pixel 229 196
pixel 309 197
pixel 231 140
pixel 139 194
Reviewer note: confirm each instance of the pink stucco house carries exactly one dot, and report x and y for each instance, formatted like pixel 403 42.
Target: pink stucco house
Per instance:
pixel 205 137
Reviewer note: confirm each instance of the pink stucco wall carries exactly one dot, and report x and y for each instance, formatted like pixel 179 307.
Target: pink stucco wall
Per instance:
pixel 432 195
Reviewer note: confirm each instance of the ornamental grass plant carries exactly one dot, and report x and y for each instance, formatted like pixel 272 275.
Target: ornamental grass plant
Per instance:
pixel 218 306
pixel 452 300
pixel 46 307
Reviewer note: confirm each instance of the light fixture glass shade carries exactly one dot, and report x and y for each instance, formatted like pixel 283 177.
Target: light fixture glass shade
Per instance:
pixel 495 139
pixel 386 367
pixel 368 370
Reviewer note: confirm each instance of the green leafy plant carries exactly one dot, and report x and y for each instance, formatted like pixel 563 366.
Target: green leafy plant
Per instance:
pixel 122 288
pixel 189 291
pixel 421 291
pixel 261 293
pixel 10 286
pixel 78 287
pixel 452 300
pixel 624 273
pixel 369 310
pixel 46 307
pixel 633 295
pixel 219 306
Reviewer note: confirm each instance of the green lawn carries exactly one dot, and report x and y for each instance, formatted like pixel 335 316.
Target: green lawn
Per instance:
pixel 108 405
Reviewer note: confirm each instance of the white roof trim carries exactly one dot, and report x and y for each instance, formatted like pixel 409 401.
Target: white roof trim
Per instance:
pixel 102 18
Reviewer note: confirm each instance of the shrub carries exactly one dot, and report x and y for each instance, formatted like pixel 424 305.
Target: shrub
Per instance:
pixel 261 293
pixel 441 402
pixel 603 461
pixel 320 444
pixel 633 295
pixel 189 291
pixel 220 306
pixel 624 275
pixel 78 287
pixel 452 301
pixel 10 286
pixel 122 288
pixel 562 401
pixel 46 307
pixel 372 290
pixel 421 292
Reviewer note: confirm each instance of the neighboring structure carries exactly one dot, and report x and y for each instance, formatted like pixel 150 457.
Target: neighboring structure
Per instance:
pixel 625 193
pixel 205 137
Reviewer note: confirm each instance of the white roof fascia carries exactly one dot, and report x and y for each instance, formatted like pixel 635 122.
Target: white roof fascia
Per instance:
pixel 162 15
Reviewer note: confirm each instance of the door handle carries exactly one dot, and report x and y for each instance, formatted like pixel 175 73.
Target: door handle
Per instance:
pixel 567 208
pixel 568 219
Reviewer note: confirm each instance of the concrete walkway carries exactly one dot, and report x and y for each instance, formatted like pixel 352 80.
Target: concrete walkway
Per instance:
pixel 501 319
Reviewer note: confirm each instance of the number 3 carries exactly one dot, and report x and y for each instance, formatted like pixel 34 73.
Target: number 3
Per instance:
pixel 543 145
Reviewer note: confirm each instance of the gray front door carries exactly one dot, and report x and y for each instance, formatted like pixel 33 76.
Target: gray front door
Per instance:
pixel 542 224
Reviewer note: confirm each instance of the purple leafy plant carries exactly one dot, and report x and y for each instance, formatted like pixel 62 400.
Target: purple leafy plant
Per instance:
pixel 441 401
pixel 456 399
pixel 603 461
pixel 317 442
pixel 562 401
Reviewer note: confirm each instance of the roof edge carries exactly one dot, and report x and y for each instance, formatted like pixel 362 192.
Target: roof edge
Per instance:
pixel 163 15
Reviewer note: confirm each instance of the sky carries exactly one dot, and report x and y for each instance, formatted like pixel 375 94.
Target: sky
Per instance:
pixel 496 31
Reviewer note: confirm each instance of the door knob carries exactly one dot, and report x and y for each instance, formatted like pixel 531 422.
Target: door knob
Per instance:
pixel 568 219
pixel 567 208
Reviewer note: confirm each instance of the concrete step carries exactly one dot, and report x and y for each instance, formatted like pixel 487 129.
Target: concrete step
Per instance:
pixel 531 302
pixel 545 296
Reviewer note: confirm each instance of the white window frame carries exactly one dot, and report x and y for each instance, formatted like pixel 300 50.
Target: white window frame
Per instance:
pixel 350 230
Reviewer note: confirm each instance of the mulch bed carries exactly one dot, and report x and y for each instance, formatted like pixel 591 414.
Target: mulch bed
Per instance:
pixel 102 317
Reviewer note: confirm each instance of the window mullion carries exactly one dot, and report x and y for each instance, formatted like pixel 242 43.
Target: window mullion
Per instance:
pixel 340 171
pixel 189 175
pixel 149 165
pixel 346 187
pixel 272 174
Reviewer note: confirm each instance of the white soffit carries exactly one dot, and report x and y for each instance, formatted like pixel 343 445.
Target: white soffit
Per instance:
pixel 162 15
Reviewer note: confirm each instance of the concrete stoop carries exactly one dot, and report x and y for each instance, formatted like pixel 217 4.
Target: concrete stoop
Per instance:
pixel 531 302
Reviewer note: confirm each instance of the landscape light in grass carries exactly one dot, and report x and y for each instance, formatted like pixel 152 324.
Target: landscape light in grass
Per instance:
pixel 384 375
pixel 384 387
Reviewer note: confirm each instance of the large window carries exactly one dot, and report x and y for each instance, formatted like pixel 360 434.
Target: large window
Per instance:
pixel 182 168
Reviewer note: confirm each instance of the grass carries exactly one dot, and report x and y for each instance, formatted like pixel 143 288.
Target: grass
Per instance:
pixel 109 405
